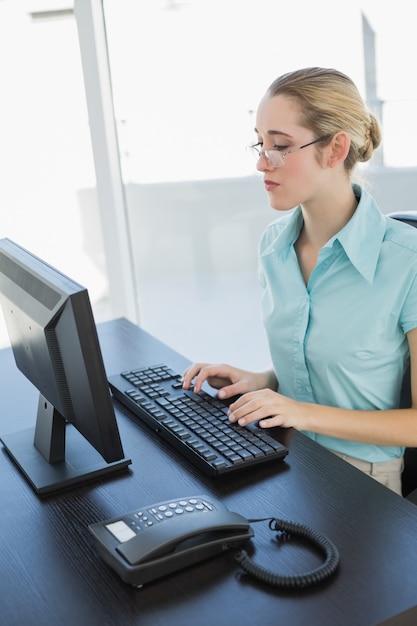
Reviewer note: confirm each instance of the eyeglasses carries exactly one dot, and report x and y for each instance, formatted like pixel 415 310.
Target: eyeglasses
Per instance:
pixel 275 157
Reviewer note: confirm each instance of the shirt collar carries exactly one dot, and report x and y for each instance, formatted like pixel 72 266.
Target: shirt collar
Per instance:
pixel 367 224
pixel 289 230
pixel 362 237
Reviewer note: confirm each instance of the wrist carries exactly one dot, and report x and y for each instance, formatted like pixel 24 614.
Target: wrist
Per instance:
pixel 269 380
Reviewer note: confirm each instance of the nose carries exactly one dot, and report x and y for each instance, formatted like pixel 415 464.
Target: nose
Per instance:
pixel 263 164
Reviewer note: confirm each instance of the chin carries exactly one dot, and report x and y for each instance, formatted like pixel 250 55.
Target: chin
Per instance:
pixel 277 206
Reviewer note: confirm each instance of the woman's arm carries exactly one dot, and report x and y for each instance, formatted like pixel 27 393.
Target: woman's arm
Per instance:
pixel 395 427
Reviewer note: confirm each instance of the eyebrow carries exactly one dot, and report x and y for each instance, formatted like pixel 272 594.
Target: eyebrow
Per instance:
pixel 271 133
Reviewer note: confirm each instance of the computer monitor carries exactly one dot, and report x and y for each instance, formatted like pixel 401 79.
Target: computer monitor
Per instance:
pixel 55 344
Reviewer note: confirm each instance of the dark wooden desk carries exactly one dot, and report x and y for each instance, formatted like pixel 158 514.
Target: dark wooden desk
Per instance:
pixel 51 573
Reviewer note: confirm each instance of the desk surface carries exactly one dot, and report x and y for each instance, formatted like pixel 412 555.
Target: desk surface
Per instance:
pixel 51 572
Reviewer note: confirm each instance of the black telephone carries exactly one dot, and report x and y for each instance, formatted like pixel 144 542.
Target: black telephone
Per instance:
pixel 159 539
pixel 162 538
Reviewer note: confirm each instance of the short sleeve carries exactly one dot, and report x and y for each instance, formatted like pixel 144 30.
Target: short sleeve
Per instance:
pixel 408 317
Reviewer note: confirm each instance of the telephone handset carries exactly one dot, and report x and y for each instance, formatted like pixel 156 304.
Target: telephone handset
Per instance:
pixel 159 539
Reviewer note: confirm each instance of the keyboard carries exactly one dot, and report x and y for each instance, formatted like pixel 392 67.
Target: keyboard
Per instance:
pixel 195 424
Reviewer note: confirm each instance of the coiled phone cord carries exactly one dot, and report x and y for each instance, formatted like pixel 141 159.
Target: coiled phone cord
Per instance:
pixel 298 581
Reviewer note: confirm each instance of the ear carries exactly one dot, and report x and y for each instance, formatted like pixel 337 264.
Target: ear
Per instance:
pixel 338 148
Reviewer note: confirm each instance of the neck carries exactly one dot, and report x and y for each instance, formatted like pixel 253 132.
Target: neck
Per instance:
pixel 322 220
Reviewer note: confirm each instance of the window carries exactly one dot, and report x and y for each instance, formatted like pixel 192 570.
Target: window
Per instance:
pixel 45 154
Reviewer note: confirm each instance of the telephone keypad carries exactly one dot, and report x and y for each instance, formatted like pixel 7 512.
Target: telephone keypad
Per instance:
pixel 139 520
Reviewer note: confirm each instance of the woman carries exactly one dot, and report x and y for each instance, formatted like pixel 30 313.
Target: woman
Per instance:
pixel 339 284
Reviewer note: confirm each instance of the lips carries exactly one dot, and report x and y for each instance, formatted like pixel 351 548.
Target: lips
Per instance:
pixel 270 185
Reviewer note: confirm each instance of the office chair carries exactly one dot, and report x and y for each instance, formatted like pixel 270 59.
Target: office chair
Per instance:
pixel 409 217
pixel 409 477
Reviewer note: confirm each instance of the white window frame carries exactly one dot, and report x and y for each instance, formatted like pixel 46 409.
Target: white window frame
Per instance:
pixel 89 15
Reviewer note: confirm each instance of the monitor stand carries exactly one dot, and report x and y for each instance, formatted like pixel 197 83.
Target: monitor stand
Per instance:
pixel 54 455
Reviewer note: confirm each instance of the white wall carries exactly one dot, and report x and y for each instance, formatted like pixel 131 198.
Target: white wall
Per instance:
pixel 395 189
pixel 214 225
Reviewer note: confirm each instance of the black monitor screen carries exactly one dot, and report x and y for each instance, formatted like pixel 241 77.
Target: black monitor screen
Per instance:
pixel 55 345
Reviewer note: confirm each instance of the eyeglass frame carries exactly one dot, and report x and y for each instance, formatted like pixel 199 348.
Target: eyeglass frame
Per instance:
pixel 265 153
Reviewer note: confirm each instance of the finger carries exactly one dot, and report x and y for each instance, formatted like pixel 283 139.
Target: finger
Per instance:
pixel 190 373
pixel 245 398
pixel 229 391
pixel 252 407
pixel 216 375
pixel 270 422
pixel 246 413
pixel 206 372
pixel 263 422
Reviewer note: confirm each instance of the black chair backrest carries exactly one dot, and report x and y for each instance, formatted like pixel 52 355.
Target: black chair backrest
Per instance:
pixel 409 217
pixel 409 477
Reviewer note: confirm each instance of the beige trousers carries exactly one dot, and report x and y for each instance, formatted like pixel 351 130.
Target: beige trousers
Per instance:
pixel 387 473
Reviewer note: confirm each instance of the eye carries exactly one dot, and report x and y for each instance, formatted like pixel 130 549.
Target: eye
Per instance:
pixel 281 148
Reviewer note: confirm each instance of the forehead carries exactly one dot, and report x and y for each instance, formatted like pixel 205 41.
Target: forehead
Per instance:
pixel 278 115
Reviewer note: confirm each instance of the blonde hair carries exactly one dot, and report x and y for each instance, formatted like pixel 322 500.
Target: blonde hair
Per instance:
pixel 330 102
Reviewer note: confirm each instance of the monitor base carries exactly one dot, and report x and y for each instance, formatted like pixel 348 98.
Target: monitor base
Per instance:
pixel 82 462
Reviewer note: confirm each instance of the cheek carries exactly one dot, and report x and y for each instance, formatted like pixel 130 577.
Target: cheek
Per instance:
pixel 302 177
pixel 303 168
pixel 297 185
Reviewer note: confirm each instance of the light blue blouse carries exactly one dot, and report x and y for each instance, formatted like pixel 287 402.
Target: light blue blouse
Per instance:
pixel 341 341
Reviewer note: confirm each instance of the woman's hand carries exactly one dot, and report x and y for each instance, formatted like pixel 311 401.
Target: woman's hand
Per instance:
pixel 269 408
pixel 230 381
